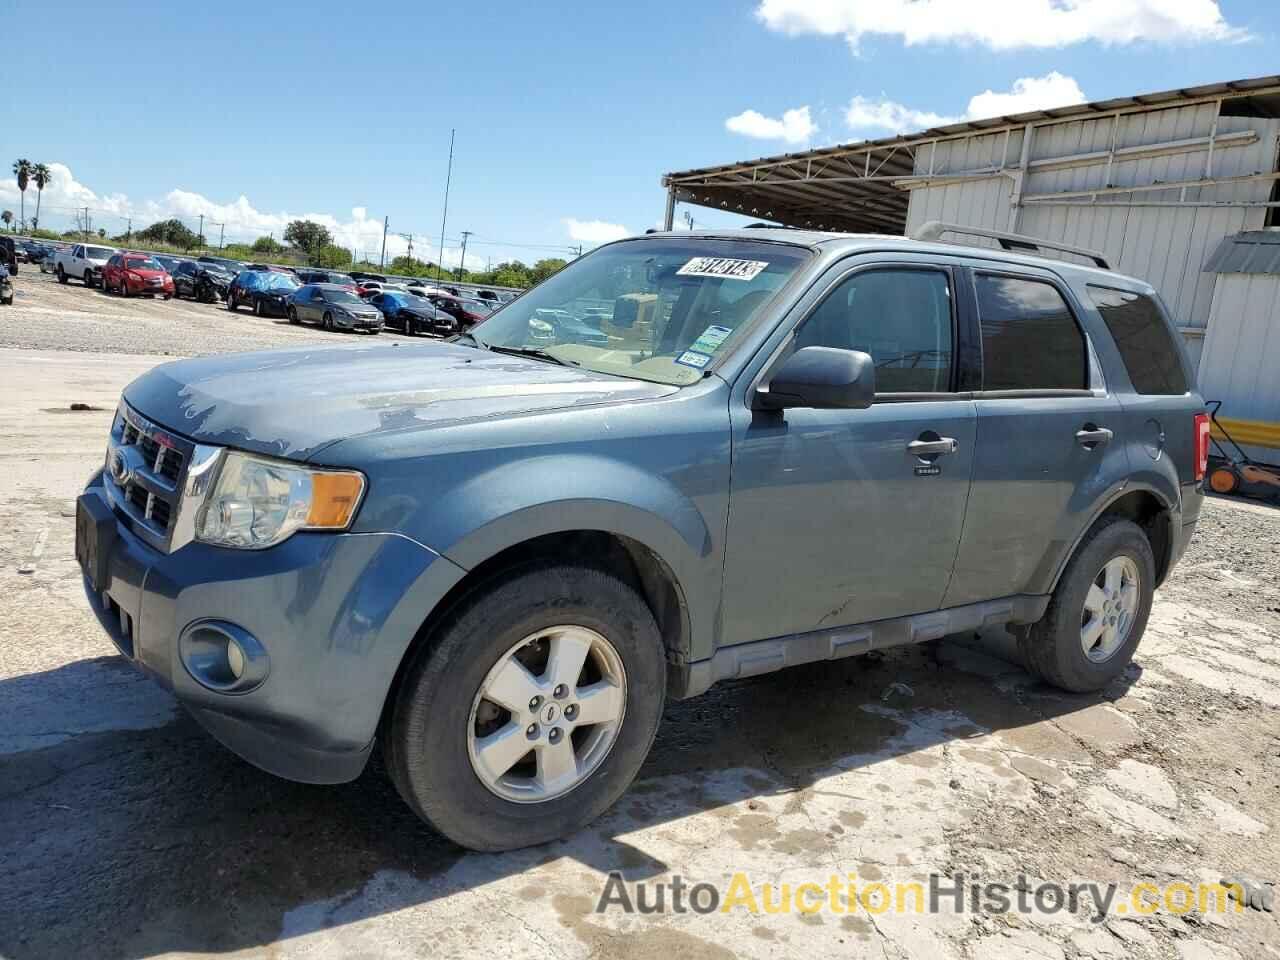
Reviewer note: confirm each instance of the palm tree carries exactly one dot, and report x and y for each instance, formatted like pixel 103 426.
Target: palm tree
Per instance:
pixel 22 170
pixel 7 217
pixel 41 176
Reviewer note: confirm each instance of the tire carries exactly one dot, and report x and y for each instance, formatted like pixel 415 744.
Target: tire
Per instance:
pixel 1054 648
pixel 62 274
pixel 292 314
pixel 431 725
pixel 88 279
pixel 257 308
pixel 231 303
pixel 124 288
pixel 327 323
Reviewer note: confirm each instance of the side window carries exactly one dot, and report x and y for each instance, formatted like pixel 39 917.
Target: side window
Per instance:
pixel 902 317
pixel 1143 338
pixel 1030 340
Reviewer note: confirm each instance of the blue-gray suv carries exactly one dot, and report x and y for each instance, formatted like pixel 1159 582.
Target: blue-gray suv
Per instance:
pixel 498 555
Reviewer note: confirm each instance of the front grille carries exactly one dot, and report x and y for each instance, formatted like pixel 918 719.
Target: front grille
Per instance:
pixel 143 475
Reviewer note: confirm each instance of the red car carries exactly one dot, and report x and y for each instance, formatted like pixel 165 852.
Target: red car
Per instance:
pixel 134 274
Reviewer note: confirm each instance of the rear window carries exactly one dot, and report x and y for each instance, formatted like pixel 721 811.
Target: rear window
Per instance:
pixel 1030 340
pixel 1143 338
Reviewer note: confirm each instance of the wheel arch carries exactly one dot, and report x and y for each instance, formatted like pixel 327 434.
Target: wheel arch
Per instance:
pixel 634 562
pixel 1143 505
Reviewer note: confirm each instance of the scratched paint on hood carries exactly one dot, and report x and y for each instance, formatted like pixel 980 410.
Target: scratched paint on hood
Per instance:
pixel 294 402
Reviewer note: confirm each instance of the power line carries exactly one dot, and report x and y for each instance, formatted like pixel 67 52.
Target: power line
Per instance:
pixel 444 215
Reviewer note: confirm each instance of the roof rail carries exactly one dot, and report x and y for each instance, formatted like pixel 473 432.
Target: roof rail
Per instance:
pixel 934 229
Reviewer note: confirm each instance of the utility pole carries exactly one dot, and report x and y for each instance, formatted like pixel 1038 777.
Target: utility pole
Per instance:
pixel 462 264
pixel 200 232
pixel 579 250
pixel 222 232
pixel 128 233
pixel 382 260
pixel 444 216
pixel 86 224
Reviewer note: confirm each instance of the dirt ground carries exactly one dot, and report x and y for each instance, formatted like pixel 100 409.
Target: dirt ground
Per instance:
pixel 125 831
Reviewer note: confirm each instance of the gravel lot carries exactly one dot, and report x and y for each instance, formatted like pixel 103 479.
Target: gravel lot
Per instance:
pixel 47 315
pixel 125 831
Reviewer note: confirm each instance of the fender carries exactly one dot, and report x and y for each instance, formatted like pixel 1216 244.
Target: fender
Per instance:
pixel 527 498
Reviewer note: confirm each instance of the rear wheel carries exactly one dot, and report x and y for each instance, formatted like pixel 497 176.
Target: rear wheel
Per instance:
pixel 328 321
pixel 1099 611
pixel 62 274
pixel 257 307
pixel 292 314
pixel 530 710
pixel 231 302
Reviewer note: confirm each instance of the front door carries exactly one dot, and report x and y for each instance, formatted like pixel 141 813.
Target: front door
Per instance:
pixel 835 518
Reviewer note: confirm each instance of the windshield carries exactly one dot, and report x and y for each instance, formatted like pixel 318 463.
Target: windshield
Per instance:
pixel 342 296
pixel 98 253
pixel 226 265
pixel 410 300
pixel 141 263
pixel 653 309
pixel 342 279
pixel 477 306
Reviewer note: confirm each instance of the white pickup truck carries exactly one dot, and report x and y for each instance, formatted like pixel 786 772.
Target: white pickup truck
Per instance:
pixel 84 261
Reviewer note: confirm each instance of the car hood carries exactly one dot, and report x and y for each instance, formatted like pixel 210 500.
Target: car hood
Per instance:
pixel 292 403
pixel 148 274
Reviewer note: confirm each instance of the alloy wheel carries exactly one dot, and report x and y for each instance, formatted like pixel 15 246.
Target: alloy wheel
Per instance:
pixel 547 714
pixel 1110 607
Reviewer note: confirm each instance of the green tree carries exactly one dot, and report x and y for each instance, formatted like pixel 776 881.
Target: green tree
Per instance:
pixel 331 257
pixel 267 246
pixel 545 268
pixel 41 177
pixel 173 232
pixel 22 170
pixel 102 233
pixel 308 236
pixel 7 217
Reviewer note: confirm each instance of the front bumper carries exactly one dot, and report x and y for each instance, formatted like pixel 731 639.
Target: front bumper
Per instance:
pixel 335 614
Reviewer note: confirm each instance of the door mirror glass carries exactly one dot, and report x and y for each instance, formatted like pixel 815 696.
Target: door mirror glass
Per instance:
pixel 821 378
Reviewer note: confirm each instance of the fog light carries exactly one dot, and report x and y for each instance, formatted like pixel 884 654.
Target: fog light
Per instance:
pixel 223 657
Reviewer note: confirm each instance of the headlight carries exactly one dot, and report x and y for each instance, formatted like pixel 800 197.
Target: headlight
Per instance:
pixel 258 503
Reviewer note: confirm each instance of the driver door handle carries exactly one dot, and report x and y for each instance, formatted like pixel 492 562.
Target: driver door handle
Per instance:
pixel 924 448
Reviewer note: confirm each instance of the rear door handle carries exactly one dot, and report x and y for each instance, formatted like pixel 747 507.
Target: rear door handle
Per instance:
pixel 925 448
pixel 1092 436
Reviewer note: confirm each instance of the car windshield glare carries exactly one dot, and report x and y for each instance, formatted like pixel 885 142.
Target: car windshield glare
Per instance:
pixel 141 263
pixel 278 281
pixel 662 309
pixel 98 253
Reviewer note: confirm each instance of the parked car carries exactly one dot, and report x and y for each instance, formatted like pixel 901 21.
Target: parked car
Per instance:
pixel 333 307
pixel 359 275
pixel 232 267
pixel 466 312
pixel 31 251
pixel 169 263
pixel 201 280
pixel 50 263
pixel 136 274
pixel 413 315
pixel 266 292
pixel 499 558
pixel 9 255
pixel 6 286
pixel 328 278
pixel 84 261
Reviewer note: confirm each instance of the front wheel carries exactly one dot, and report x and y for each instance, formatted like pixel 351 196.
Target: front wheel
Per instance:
pixel 124 287
pixel 88 278
pixel 231 302
pixel 327 323
pixel 62 274
pixel 292 314
pixel 529 711
pixel 1099 610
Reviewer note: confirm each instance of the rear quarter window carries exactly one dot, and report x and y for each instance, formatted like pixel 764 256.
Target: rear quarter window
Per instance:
pixel 1030 339
pixel 1143 338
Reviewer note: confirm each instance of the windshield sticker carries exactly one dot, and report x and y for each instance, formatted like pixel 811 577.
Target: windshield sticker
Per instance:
pixel 711 338
pixel 695 360
pixel 722 267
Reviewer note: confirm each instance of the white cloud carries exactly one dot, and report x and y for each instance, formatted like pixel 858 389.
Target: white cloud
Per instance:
pixel 594 232
pixel 796 126
pixel 1004 24
pixel 1028 93
pixel 886 115
pixel 243 222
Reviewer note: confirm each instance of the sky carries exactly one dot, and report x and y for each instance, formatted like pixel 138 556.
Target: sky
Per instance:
pixel 566 114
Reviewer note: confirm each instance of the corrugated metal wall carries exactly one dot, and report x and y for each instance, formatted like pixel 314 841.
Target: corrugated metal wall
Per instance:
pixel 1241 362
pixel 1167 246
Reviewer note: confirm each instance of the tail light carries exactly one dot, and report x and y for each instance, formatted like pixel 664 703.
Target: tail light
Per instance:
pixel 1202 444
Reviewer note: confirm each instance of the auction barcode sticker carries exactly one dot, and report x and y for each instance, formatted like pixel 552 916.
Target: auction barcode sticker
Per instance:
pixel 722 267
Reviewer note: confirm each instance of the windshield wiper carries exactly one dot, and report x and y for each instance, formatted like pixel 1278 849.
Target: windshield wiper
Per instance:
pixel 536 353
pixel 480 344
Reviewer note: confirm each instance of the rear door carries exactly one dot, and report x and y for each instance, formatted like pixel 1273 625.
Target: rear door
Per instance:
pixel 834 519
pixel 1049 436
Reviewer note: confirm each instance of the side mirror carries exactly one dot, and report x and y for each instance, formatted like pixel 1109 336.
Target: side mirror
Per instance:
pixel 822 378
